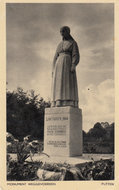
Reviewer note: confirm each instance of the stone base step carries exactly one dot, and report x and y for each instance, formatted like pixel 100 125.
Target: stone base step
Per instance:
pixel 71 160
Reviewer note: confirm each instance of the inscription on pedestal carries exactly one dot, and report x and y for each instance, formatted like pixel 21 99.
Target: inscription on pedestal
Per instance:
pixel 56 118
pixel 57 143
pixel 56 130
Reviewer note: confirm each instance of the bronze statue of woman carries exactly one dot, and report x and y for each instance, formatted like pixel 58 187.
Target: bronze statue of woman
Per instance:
pixel 64 82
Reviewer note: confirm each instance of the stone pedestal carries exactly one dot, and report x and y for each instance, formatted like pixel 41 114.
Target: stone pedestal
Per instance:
pixel 63 131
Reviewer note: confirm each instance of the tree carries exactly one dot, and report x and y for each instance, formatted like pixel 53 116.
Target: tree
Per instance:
pixel 112 132
pixel 25 113
pixel 97 131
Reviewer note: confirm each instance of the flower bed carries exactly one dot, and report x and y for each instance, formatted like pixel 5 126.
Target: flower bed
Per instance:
pixel 29 171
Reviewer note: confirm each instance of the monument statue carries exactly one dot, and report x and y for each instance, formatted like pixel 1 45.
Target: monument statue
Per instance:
pixel 63 120
pixel 64 82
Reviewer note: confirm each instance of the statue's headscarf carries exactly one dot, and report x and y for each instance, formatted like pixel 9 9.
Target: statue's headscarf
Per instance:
pixel 67 30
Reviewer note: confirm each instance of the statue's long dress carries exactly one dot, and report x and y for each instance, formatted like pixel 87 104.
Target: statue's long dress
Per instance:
pixel 64 82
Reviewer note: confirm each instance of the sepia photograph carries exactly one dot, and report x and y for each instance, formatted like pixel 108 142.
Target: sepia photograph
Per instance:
pixel 60 93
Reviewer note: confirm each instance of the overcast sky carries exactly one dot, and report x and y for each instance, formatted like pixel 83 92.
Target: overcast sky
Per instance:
pixel 32 37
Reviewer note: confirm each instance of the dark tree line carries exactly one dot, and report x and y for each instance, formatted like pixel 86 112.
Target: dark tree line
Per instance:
pixel 101 132
pixel 25 113
pixel 99 139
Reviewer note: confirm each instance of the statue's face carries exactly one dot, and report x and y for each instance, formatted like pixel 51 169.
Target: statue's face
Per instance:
pixel 63 33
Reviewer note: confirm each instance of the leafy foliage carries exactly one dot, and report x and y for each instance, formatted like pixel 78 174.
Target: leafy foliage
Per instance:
pixel 97 131
pixel 19 169
pixel 25 113
pixel 99 139
pixel 100 131
pixel 97 170
pixel 22 171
